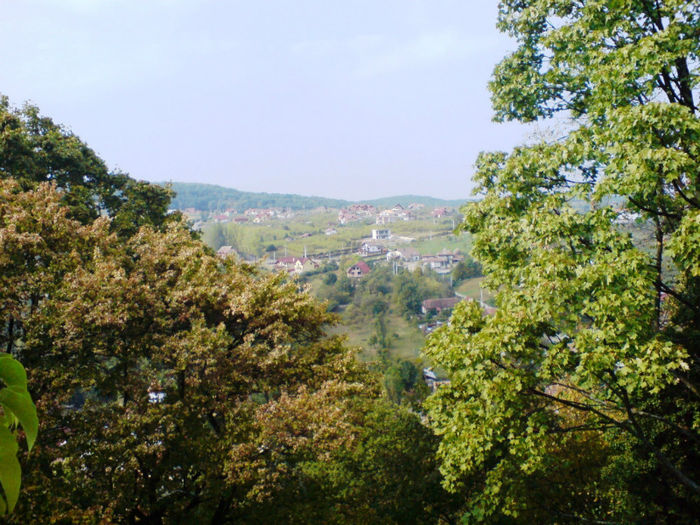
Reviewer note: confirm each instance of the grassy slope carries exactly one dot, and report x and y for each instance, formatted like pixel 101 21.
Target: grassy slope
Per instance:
pixel 253 238
pixel 407 345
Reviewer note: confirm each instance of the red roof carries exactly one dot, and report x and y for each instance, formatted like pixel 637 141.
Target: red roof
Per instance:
pixel 362 266
pixel 440 304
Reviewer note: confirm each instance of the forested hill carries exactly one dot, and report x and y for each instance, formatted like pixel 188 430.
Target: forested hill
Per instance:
pixel 209 197
pixel 405 200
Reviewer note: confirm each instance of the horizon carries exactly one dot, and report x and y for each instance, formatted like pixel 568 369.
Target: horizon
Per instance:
pixel 464 199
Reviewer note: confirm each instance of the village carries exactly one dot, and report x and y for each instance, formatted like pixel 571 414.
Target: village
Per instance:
pixel 357 259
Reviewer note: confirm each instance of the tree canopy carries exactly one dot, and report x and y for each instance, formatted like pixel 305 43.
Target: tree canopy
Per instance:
pixel 594 349
pixel 34 149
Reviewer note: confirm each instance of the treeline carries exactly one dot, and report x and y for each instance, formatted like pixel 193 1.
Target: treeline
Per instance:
pixel 212 198
pixel 209 197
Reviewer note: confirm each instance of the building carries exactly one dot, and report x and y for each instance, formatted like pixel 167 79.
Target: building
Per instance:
pixel 296 265
pixel 439 305
pixel 371 248
pixel 226 251
pixel 358 270
pixel 381 234
pixel 409 254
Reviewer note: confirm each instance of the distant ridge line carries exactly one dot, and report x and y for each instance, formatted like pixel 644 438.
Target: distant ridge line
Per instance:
pixel 212 197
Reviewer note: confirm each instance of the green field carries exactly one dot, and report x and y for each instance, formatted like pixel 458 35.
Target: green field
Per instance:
pixel 472 288
pixel 407 345
pixel 306 232
pixel 451 242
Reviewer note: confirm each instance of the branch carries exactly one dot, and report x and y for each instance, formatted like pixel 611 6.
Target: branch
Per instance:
pixel 693 202
pixel 661 212
pixel 659 455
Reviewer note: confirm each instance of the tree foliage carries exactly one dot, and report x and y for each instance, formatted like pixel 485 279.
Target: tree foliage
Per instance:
pixel 33 149
pixel 589 322
pixel 18 409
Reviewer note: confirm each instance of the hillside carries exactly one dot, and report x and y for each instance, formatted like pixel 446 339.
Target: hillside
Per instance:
pixel 405 200
pixel 209 197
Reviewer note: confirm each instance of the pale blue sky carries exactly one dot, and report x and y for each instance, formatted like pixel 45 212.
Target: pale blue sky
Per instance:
pixel 351 99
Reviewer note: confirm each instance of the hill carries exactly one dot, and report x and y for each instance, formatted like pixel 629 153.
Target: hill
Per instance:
pixel 210 197
pixel 405 200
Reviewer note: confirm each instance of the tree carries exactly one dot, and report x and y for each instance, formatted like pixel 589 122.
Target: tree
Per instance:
pixel 589 319
pixel 33 149
pixel 340 455
pixel 407 294
pixel 466 270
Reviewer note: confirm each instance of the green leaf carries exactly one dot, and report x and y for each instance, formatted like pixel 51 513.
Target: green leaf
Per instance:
pixel 12 372
pixel 10 472
pixel 19 402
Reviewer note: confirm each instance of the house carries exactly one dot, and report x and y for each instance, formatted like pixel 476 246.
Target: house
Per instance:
pixel 443 261
pixel 358 270
pixel 397 213
pixel 356 212
pixel 296 265
pixel 386 217
pixel 370 248
pixel 393 255
pixel 438 305
pixel 221 217
pixel 431 379
pixel 381 234
pixel 409 254
pixel 226 251
pixel 308 264
pixel 439 212
pixel 345 216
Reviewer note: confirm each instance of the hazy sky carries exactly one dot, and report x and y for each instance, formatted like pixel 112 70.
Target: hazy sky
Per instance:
pixel 351 99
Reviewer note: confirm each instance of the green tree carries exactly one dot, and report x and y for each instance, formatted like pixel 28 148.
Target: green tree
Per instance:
pixel 33 149
pixel 407 294
pixel 587 319
pixel 466 269
pixel 341 455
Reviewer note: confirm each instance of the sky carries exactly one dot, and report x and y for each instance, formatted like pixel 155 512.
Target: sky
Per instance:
pixel 353 99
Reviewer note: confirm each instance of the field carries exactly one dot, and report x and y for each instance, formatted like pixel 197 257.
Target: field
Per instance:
pixel 407 339
pixel 305 233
